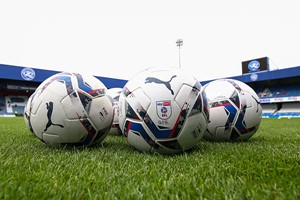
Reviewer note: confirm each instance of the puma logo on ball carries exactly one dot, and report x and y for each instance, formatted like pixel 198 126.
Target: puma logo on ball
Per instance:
pixel 156 80
pixel 49 115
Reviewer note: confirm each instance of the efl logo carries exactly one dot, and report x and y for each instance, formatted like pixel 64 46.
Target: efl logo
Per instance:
pixel 163 109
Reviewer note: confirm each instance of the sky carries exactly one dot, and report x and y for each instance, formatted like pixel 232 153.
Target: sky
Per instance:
pixel 119 38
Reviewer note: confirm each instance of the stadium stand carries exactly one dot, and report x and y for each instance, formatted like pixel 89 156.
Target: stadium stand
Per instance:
pixel 279 90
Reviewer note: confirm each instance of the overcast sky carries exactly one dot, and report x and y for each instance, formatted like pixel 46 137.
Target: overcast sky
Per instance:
pixel 118 38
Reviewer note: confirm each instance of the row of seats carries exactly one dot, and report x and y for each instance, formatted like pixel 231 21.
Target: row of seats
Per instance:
pixel 281 115
pixel 2 105
pixel 281 110
pixel 12 105
pixel 273 92
pixel 281 107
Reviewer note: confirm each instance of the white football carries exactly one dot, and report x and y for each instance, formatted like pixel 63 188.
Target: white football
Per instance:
pixel 114 93
pixel 27 111
pixel 70 109
pixel 163 110
pixel 235 112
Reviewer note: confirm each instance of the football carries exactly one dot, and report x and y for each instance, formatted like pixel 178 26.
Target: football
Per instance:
pixel 114 93
pixel 70 109
pixel 162 110
pixel 235 112
pixel 27 113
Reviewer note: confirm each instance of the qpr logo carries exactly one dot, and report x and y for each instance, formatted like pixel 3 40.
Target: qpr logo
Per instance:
pixel 163 109
pixel 254 77
pixel 28 74
pixel 254 66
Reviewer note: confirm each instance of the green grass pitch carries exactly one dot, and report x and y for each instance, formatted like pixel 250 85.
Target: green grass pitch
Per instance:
pixel 265 167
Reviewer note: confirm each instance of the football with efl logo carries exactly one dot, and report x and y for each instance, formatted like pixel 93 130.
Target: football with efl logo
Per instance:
pixel 163 110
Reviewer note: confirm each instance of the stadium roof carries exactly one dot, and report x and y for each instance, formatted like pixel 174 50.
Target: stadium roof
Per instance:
pixel 265 75
pixel 39 75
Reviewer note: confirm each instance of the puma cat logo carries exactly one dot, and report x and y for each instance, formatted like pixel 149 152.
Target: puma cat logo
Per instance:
pixel 49 115
pixel 156 80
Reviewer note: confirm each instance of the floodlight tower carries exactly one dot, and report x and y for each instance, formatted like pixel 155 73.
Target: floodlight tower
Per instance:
pixel 179 43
